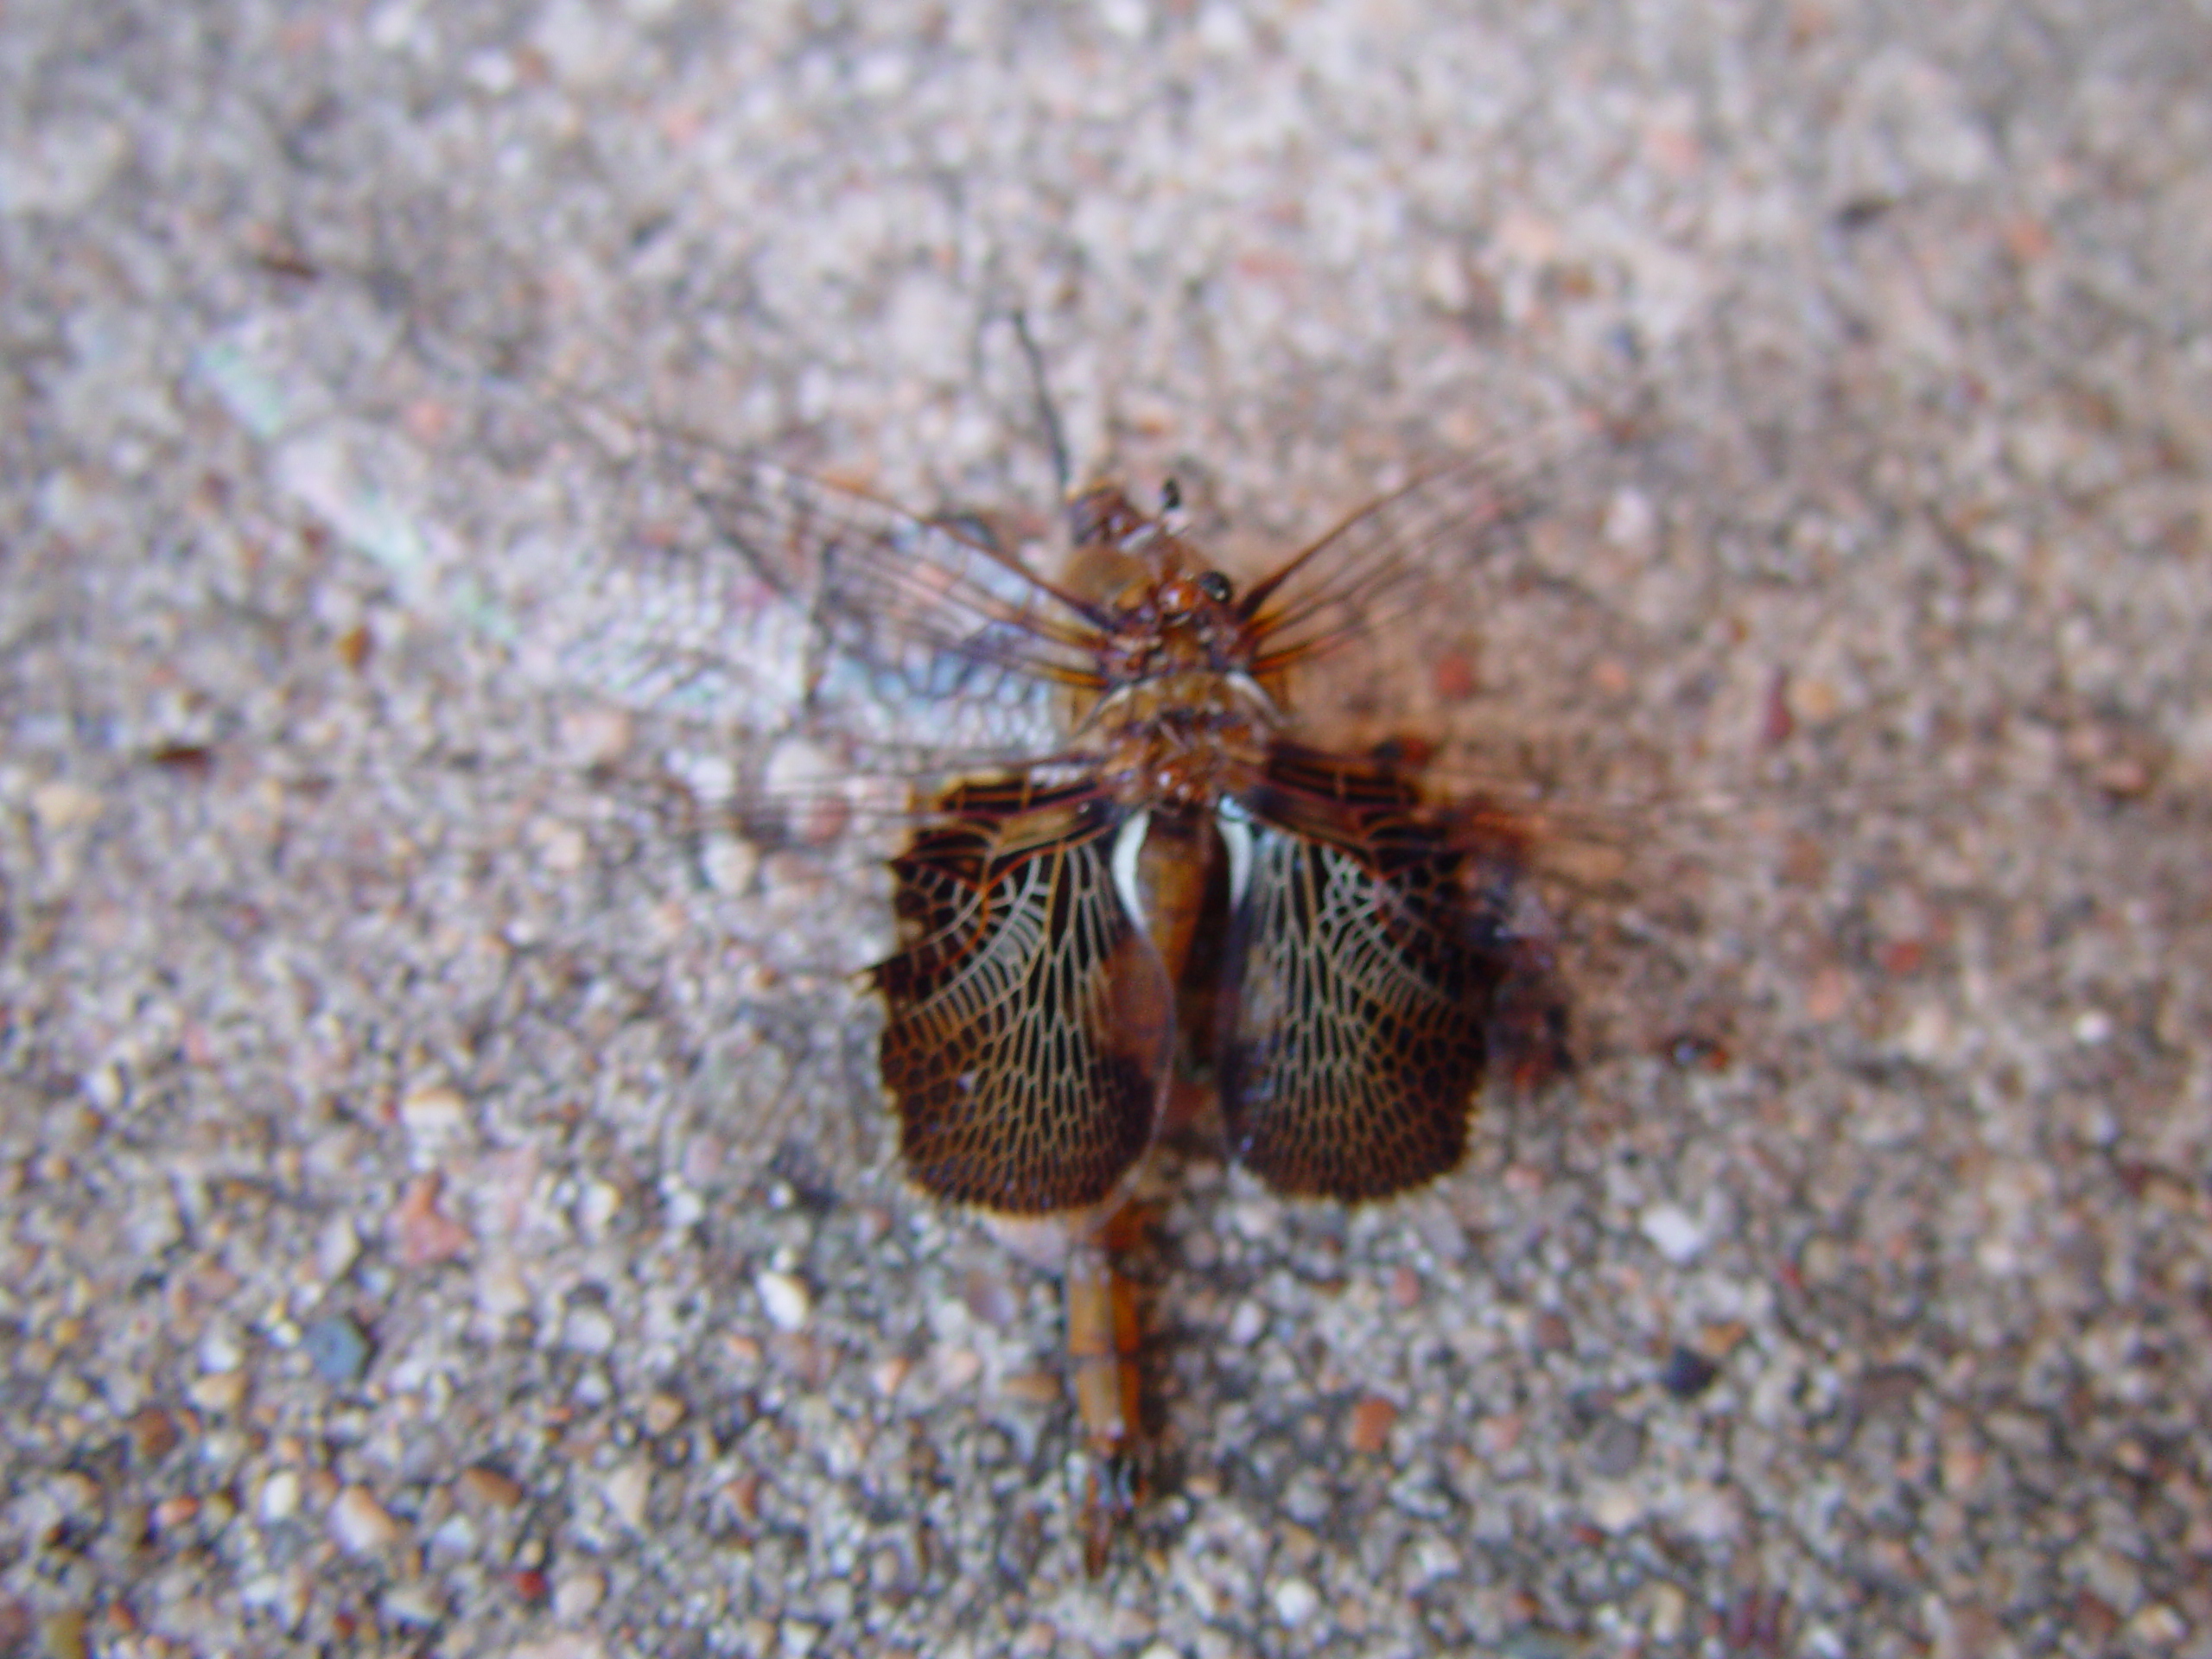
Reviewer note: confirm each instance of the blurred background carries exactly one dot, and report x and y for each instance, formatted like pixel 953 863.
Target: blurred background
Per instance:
pixel 447 1209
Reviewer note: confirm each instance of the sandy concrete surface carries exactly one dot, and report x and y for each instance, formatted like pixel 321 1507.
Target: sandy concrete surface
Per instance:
pixel 446 1205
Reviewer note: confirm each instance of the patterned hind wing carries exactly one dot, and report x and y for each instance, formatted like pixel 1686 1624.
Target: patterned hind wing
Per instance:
pixel 1031 1020
pixel 1380 961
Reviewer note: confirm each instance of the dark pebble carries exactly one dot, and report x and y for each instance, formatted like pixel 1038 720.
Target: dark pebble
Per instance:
pixel 1687 1373
pixel 337 1349
pixel 1614 1447
pixel 154 1435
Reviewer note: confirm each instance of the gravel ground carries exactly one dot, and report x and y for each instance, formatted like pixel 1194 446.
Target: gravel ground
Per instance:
pixel 446 1209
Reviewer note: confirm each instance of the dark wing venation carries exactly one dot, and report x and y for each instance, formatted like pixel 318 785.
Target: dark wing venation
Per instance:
pixel 919 598
pixel 1383 956
pixel 1030 1017
pixel 1384 561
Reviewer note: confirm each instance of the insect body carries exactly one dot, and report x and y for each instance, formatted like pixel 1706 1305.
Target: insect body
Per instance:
pixel 1183 888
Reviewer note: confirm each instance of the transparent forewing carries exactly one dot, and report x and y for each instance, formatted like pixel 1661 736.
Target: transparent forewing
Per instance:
pixel 626 560
pixel 1378 957
pixel 1392 557
pixel 1030 1018
pixel 1511 622
pixel 926 636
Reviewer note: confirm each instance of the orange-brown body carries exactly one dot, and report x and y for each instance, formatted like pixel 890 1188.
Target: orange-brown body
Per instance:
pixel 1185 893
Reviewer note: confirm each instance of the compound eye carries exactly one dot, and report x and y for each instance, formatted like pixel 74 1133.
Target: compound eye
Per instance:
pixel 1216 586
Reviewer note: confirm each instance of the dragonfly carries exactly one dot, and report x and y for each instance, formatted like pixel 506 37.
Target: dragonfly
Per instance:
pixel 1153 885
pixel 1164 841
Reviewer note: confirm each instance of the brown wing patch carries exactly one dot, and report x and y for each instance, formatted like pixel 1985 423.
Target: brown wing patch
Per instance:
pixel 1381 953
pixel 1030 1018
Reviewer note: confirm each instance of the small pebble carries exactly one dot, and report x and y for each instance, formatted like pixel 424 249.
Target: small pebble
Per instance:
pixel 1498 1436
pixel 264 1590
pixel 61 806
pixel 455 1540
pixel 1247 1323
pixel 1616 1510
pixel 1719 1338
pixel 1709 1513
pixel 663 1411
pixel 336 1348
pixel 336 1247
pixel 1295 1601
pixel 743 1497
pixel 2155 1624
pixel 1667 1607
pixel 784 1299
pixel 280 1496
pixel 63 1635
pixel 1630 519
pixel 563 848
pixel 576 1595
pixel 587 1329
pixel 1687 1373
pixel 595 737
pixel 413 1606
pixel 628 1488
pixel 433 1113
pixel 1673 1232
pixel 729 863
pixel 598 1204
pixel 361 1525
pixel 356 645
pixel 153 1433
pixel 424 1235
pixel 956 1368
pixel 1372 1419
pixel 1814 703
pixel 1927 1035
pixel 501 1293
pixel 1828 994
pixel 890 1374
pixel 74 1493
pixel 1616 1445
pixel 989 1298
pixel 219 1394
pixel 482 1487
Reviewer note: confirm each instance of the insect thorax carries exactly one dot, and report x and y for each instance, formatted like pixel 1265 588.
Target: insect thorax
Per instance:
pixel 1181 742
